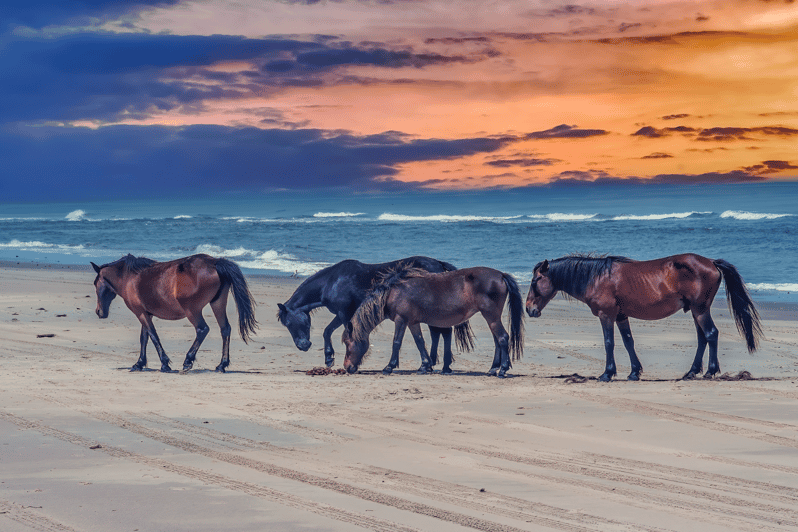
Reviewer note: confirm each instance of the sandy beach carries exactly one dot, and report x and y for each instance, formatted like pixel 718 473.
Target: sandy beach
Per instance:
pixel 86 445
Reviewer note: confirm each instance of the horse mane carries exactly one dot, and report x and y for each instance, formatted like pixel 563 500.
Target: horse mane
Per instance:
pixel 133 264
pixel 574 273
pixel 371 311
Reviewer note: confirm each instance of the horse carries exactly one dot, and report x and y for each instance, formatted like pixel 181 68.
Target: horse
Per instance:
pixel 619 288
pixel 410 296
pixel 341 288
pixel 175 290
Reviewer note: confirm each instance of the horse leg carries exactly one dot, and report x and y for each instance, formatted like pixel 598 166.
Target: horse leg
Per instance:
pixel 710 332
pixel 329 352
pixel 435 335
pixel 142 361
pixel 418 336
pixel 448 356
pixel 698 364
pixel 608 326
pixel 502 341
pixel 497 358
pixel 202 330
pixel 629 344
pixel 398 335
pixel 219 307
pixel 146 323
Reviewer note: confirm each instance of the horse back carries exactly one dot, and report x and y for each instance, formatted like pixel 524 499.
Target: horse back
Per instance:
pixel 171 290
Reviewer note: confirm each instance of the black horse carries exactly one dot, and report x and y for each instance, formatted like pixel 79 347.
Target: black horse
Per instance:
pixel 341 288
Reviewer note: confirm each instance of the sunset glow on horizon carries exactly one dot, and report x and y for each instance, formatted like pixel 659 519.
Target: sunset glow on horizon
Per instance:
pixel 429 94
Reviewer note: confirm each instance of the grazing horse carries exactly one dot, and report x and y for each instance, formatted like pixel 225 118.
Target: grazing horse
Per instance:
pixel 618 288
pixel 174 290
pixel 410 297
pixel 341 288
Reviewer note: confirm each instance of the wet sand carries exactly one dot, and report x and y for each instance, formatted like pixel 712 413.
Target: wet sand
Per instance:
pixel 86 445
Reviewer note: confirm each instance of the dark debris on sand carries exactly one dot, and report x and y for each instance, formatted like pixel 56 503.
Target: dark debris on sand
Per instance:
pixel 326 371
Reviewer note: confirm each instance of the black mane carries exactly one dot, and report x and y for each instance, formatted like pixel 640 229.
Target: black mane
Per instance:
pixel 133 264
pixel 574 273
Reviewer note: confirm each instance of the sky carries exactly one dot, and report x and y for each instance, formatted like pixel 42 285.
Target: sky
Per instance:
pixel 118 99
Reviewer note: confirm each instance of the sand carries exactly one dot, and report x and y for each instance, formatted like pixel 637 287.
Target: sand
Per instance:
pixel 86 445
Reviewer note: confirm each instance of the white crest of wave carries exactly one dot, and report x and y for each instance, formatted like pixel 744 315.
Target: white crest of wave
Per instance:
pixel 218 251
pixel 183 217
pixel 389 217
pixel 337 214
pixel 643 217
pixel 745 215
pixel 282 262
pixel 76 216
pixel 562 217
pixel 778 287
pixel 35 245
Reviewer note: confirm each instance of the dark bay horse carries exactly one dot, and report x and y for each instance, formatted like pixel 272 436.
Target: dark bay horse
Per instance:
pixel 618 288
pixel 410 297
pixel 341 288
pixel 174 290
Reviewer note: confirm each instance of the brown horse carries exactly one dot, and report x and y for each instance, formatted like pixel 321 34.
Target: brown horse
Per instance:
pixel 618 288
pixel 410 297
pixel 174 290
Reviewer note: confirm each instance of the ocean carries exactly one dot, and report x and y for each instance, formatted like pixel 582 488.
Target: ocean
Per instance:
pixel 753 226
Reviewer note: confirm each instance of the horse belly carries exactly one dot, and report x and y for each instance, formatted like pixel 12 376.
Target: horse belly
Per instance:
pixel 653 310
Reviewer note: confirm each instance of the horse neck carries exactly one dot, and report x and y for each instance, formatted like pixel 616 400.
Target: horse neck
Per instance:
pixel 121 281
pixel 307 295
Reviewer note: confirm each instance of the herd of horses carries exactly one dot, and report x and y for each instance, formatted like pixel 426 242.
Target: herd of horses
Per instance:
pixel 421 290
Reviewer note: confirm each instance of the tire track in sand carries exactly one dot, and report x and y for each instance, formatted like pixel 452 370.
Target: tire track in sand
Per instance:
pixel 33 520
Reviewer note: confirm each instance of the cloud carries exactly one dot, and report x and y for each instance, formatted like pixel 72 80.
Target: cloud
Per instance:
pixel 652 132
pixel 722 134
pixel 675 117
pixel 564 132
pixel 770 167
pixel 327 58
pixel 522 162
pixel 138 161
pixel 657 155
pixel 41 13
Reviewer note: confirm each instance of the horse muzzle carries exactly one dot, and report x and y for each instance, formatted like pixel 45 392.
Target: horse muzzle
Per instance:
pixel 303 345
pixel 533 312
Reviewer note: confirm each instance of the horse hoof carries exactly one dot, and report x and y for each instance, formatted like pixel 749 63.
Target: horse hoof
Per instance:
pixel 709 376
pixel 424 370
pixel 633 377
pixel 166 369
pixel 605 378
pixel 492 372
pixel 502 374
pixel 220 369
pixel 690 375
pixel 446 371
pixel 136 368
pixel 387 370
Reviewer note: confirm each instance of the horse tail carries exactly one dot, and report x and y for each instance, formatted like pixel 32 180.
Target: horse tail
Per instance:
pixel 745 314
pixel 230 274
pixel 463 335
pixel 516 305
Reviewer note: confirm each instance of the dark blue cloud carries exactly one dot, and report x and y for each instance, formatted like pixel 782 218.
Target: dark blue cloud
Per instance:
pixel 564 131
pixel 41 13
pixel 50 163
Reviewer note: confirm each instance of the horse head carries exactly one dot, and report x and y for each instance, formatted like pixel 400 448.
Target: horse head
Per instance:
pixel 298 324
pixel 541 291
pixel 355 350
pixel 105 291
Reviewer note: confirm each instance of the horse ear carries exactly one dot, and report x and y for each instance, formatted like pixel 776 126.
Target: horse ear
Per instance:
pixel 96 268
pixel 281 307
pixel 545 267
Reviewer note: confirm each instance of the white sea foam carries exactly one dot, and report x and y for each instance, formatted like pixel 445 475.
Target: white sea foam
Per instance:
pixel 778 287
pixel 337 214
pixel 745 215
pixel 677 215
pixel 218 251
pixel 76 216
pixel 389 217
pixel 282 262
pixel 35 245
pixel 183 217
pixel 562 217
